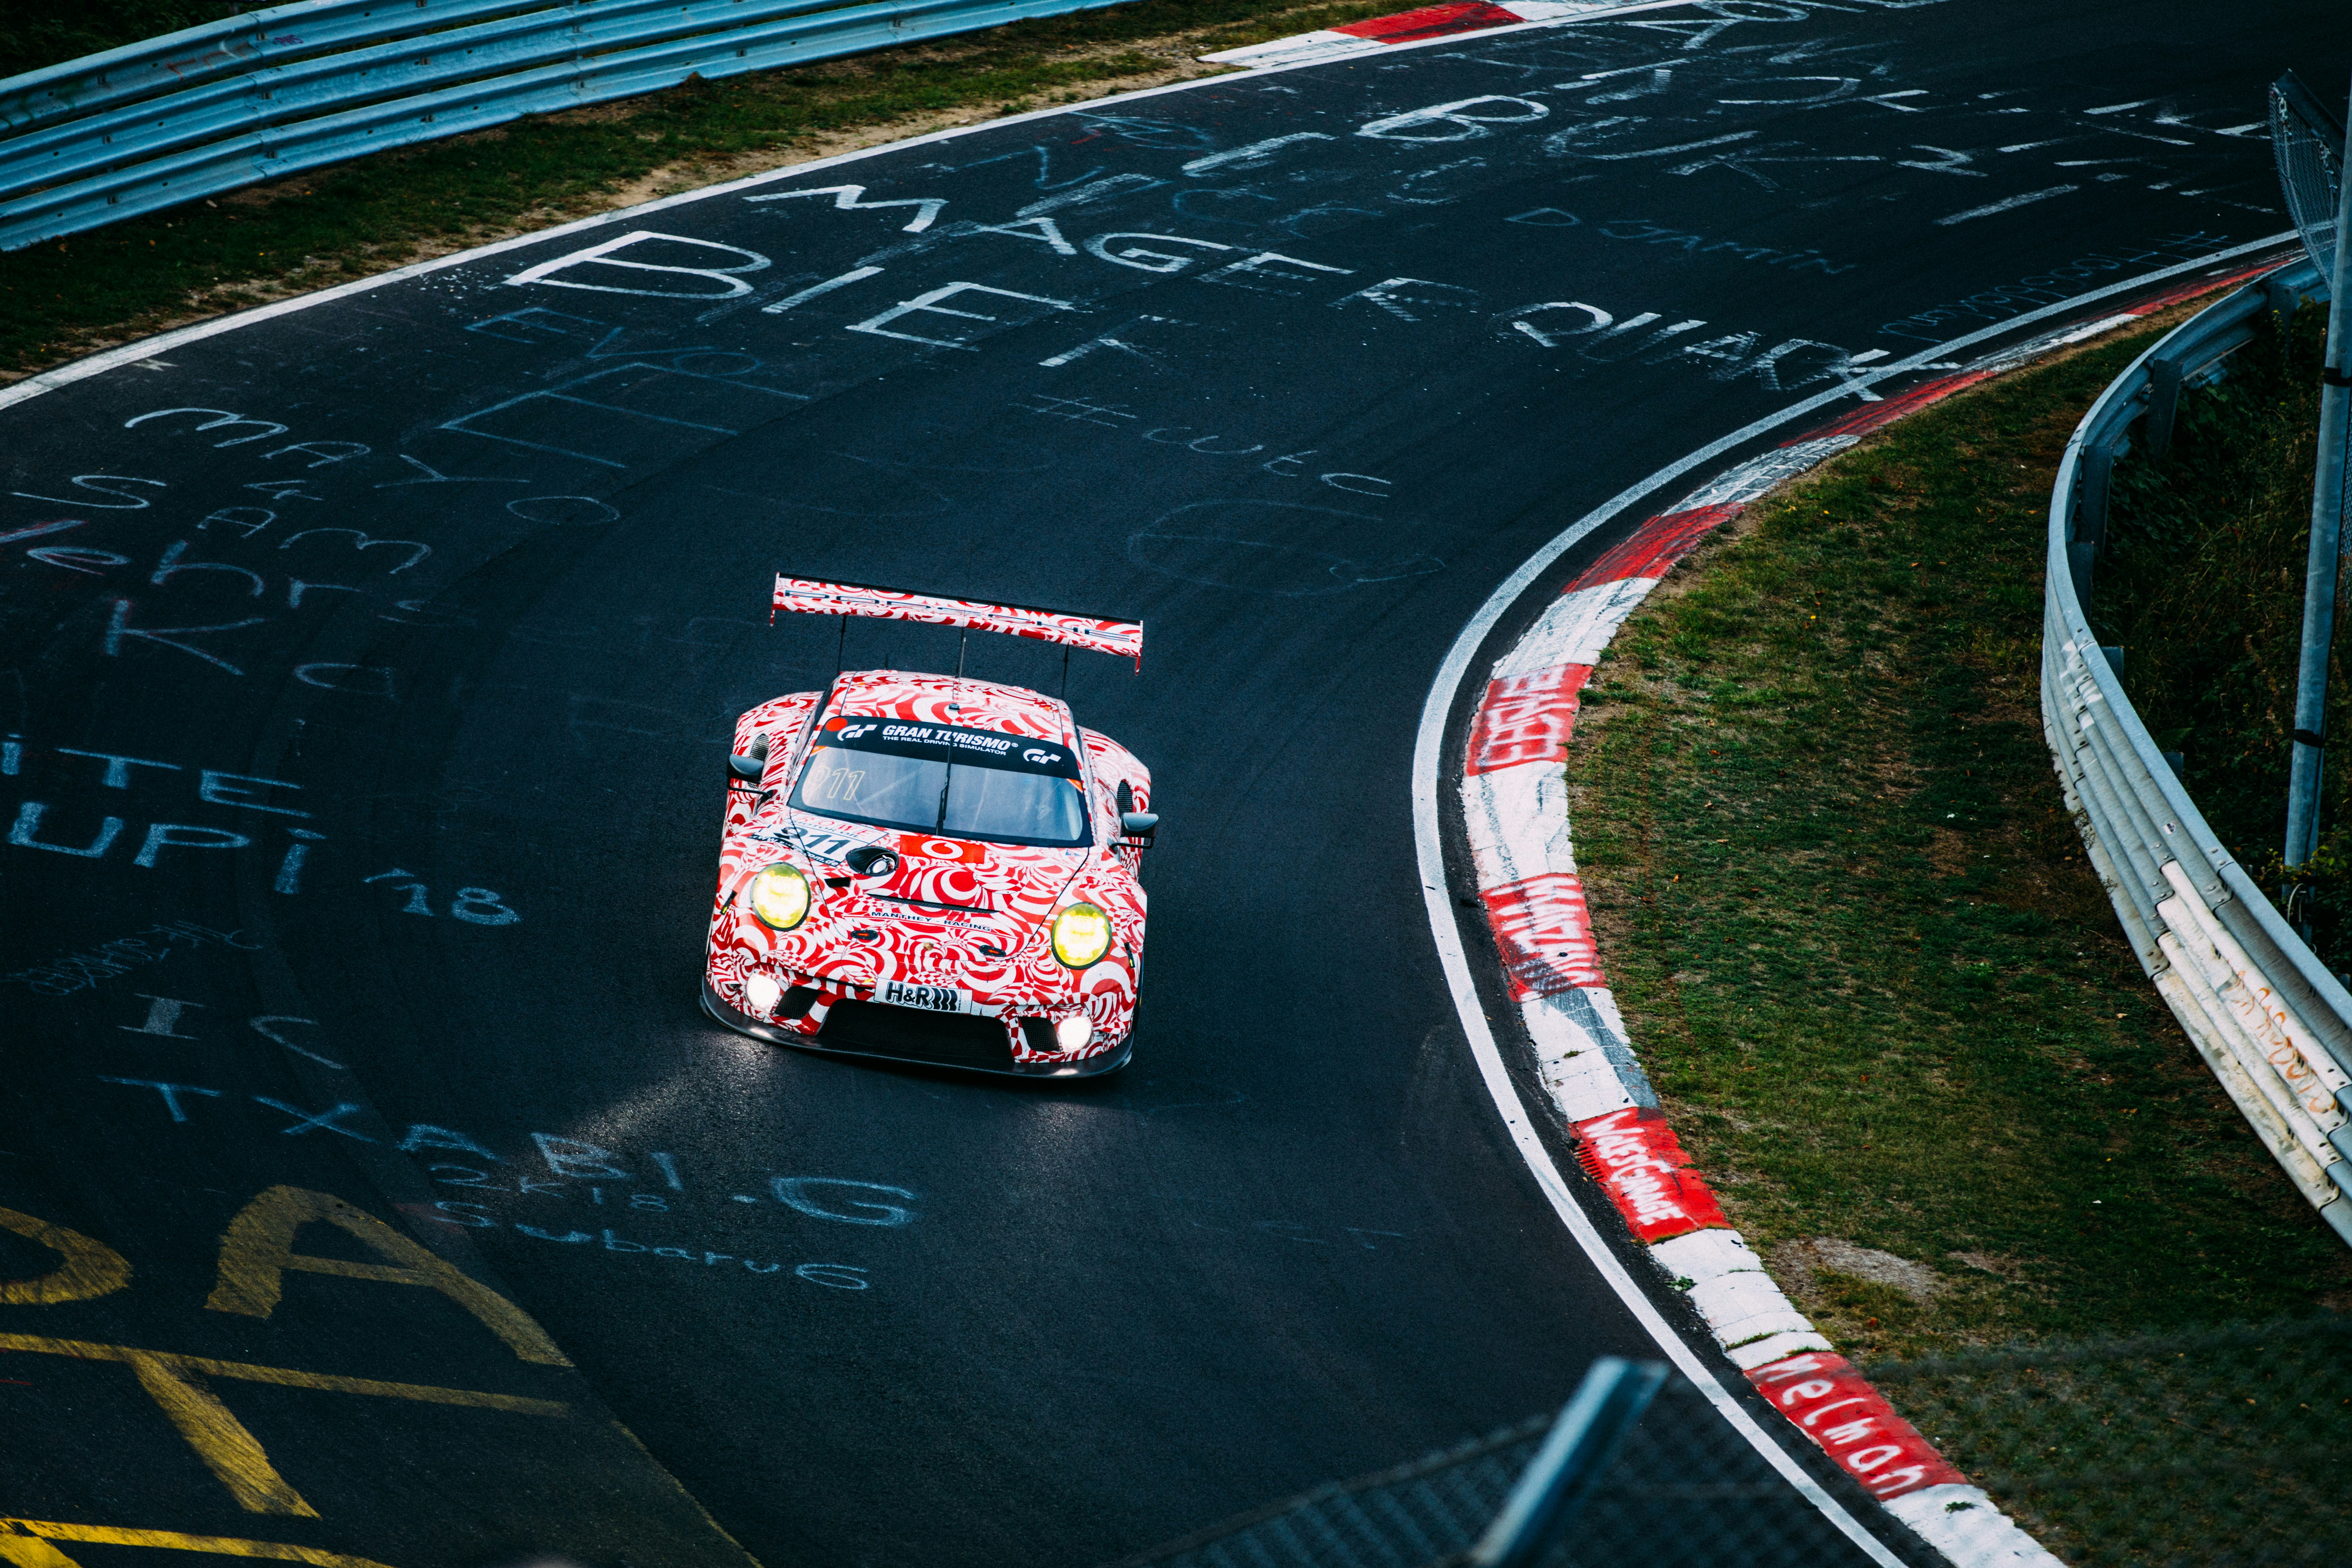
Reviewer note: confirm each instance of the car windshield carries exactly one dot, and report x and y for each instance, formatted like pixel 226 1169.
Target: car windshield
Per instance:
pixel 942 778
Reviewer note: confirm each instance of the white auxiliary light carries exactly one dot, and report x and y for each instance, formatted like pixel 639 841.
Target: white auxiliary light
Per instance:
pixel 1072 1034
pixel 762 992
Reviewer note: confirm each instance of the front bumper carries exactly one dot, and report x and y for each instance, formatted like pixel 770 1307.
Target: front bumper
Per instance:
pixel 742 1023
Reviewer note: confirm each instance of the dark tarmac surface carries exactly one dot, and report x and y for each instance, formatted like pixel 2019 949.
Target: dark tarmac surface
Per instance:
pixel 401 871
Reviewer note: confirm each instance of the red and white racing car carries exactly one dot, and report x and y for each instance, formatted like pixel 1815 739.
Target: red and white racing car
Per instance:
pixel 930 868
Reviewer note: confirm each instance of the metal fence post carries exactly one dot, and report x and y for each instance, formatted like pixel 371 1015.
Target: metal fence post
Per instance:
pixel 2163 403
pixel 2319 575
pixel 1570 1464
pixel 2094 471
pixel 2099 480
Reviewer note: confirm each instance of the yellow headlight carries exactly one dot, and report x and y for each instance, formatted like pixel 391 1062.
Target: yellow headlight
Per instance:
pixel 1081 935
pixel 780 896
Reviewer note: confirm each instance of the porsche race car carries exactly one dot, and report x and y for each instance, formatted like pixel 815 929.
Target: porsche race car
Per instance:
pixel 932 868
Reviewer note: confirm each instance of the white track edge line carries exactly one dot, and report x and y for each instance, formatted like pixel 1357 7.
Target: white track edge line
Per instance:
pixel 82 369
pixel 1427 757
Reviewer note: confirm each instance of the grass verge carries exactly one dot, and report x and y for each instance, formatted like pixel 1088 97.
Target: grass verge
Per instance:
pixel 67 298
pixel 1883 996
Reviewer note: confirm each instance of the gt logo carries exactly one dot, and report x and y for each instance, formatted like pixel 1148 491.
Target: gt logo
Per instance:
pixel 1034 755
pixel 851 732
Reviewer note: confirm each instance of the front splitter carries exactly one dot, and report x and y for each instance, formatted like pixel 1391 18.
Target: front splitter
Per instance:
pixel 742 1023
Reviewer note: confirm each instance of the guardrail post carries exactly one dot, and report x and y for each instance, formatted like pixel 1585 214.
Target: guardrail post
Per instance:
pixel 2163 403
pixel 2089 530
pixel 1571 1463
pixel 2091 511
pixel 2282 297
pixel 2078 565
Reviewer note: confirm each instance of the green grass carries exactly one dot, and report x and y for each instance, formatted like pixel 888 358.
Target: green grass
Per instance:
pixel 64 298
pixel 1882 996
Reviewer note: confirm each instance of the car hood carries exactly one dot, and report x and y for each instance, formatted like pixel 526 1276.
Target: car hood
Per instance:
pixel 998 884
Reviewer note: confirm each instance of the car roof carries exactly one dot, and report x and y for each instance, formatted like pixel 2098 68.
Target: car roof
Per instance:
pixel 978 704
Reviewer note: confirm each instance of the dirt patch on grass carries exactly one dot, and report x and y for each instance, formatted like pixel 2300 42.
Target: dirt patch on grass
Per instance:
pixel 1916 1280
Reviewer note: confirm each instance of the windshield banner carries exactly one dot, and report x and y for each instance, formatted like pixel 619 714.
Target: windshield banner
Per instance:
pixel 949 743
pixel 809 597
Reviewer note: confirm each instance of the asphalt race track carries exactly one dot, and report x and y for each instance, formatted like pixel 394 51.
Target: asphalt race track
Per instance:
pixel 370 673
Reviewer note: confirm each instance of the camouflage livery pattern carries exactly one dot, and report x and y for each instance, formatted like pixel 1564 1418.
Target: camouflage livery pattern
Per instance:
pixel 954 912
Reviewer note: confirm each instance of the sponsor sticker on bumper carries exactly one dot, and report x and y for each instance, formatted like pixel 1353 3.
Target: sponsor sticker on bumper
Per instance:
pixel 930 998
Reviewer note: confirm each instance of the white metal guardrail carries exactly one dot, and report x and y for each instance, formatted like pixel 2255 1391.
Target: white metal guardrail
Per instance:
pixel 2270 1020
pixel 273 92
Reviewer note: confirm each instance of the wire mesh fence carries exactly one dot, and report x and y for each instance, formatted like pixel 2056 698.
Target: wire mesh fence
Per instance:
pixel 2308 143
pixel 2226 1449
pixel 1686 1492
pixel 2210 1450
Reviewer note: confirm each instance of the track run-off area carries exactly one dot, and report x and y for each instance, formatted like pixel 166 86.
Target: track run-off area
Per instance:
pixel 374 1185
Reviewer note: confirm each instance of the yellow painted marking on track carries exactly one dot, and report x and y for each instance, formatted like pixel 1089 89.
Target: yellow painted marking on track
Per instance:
pixel 29 1552
pixel 176 1384
pixel 219 1438
pixel 258 1247
pixel 25 1544
pixel 90 1267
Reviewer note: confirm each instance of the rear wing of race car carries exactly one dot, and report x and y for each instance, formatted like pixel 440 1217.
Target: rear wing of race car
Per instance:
pixel 809 597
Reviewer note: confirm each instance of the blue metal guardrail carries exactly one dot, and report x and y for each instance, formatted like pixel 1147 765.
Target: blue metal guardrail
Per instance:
pixel 2272 1023
pixel 273 92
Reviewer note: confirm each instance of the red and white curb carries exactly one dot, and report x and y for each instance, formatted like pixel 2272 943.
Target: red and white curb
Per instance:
pixel 1515 809
pixel 1514 801
pixel 1378 33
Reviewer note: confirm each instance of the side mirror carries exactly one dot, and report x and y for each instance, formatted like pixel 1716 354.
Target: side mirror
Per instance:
pixel 750 766
pixel 1138 824
pixel 868 861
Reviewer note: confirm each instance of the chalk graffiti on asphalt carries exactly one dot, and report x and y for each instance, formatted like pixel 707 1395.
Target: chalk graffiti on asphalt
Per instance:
pixel 90 967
